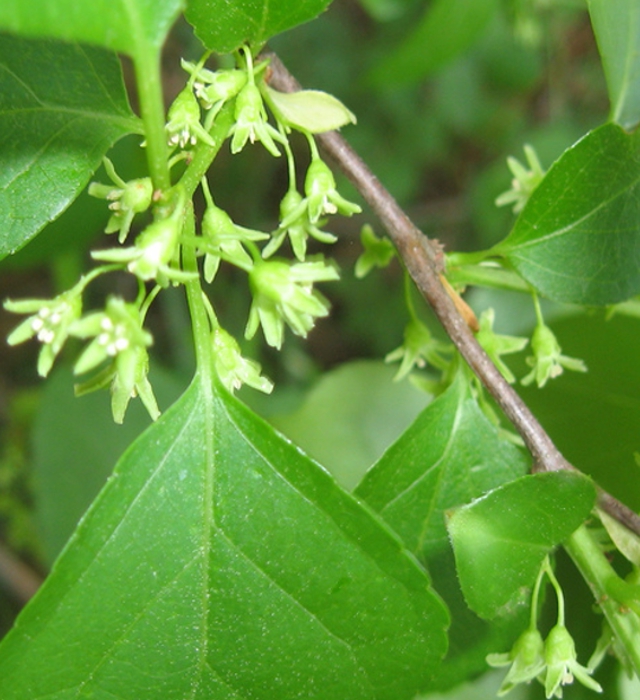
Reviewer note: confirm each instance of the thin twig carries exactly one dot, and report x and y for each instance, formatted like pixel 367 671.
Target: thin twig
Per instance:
pixel 421 258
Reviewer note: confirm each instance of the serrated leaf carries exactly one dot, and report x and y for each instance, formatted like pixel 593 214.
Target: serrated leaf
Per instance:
pixel 449 455
pixel 447 29
pixel 616 24
pixel 62 106
pixel 578 237
pixel 309 110
pixel 130 26
pixel 220 562
pixel 501 539
pixel 224 26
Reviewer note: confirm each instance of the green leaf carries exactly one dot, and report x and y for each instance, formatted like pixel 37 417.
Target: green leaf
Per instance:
pixel 66 481
pixel 447 29
pixel 62 106
pixel 224 26
pixel 219 562
pixel 578 237
pixel 450 455
pixel 309 110
pixel 501 539
pixel 129 26
pixel 616 24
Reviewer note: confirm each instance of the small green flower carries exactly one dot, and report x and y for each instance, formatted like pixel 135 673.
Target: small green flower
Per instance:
pixel 524 181
pixel 224 240
pixel 418 349
pixel 562 665
pixel 183 125
pixel 51 323
pixel 295 223
pixel 497 345
pixel 547 360
pixel 283 293
pixel 119 339
pixel 378 252
pixel 115 330
pixel 526 660
pixel 214 88
pixel 322 195
pixel 251 122
pixel 234 370
pixel 154 255
pixel 127 199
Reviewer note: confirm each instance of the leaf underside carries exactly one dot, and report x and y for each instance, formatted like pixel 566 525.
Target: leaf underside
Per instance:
pixel 219 562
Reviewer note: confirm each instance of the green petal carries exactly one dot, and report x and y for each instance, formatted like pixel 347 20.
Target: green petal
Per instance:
pixel 22 332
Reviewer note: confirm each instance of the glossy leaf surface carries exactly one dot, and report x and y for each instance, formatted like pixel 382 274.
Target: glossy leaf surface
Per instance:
pixel 130 26
pixel 65 482
pixel 578 237
pixel 616 24
pixel 450 455
pixel 224 26
pixel 501 539
pixel 219 562
pixel 62 106
pixel 447 29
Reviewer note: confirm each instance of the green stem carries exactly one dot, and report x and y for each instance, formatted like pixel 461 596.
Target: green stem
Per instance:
pixel 474 258
pixel 204 154
pixel 558 589
pixel 536 303
pixel 597 572
pixel 533 615
pixel 149 83
pixel 197 309
pixel 486 276
pixel 408 286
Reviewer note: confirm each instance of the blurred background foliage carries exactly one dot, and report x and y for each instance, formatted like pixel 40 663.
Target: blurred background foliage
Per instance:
pixel 443 91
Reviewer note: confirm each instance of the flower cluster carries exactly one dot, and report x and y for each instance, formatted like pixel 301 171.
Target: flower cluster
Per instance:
pixel 117 340
pixel 167 249
pixel 553 662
